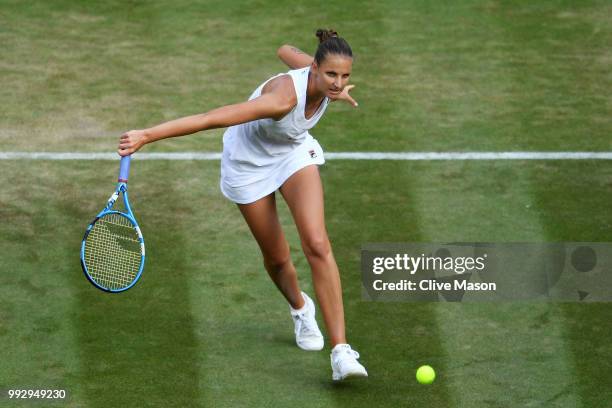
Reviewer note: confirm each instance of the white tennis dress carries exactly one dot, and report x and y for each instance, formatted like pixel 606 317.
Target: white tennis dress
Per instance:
pixel 259 156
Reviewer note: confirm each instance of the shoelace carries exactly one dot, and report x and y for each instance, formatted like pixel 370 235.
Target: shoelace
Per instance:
pixel 349 351
pixel 304 324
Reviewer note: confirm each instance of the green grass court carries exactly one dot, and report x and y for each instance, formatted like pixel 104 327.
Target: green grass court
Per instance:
pixel 205 327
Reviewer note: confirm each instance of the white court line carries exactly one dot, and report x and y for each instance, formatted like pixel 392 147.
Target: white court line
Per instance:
pixel 409 156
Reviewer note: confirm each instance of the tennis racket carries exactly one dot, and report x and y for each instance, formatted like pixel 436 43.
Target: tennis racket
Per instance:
pixel 113 250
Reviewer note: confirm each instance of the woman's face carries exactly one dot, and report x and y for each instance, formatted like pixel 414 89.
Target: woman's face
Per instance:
pixel 333 74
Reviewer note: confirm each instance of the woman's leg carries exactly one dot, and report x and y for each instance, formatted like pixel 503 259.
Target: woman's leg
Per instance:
pixel 262 218
pixel 303 193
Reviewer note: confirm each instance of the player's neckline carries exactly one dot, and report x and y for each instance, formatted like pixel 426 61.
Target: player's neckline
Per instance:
pixel 316 112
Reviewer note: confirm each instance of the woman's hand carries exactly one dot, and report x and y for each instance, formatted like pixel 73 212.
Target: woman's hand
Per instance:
pixel 131 142
pixel 344 96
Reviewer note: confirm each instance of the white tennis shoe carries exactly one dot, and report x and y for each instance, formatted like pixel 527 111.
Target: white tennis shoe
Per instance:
pixel 307 333
pixel 344 363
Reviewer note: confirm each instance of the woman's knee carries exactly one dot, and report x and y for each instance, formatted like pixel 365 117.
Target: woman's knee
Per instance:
pixel 317 248
pixel 277 262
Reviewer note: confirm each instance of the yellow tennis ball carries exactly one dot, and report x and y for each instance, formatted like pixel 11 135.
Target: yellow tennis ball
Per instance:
pixel 425 374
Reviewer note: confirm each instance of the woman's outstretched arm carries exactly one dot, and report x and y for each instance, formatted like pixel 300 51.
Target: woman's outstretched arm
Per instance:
pixel 294 58
pixel 269 105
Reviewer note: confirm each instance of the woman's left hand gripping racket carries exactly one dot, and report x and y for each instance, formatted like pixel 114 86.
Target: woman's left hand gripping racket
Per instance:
pixel 113 250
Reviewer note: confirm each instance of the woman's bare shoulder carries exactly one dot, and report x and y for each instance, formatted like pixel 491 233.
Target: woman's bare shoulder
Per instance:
pixel 282 86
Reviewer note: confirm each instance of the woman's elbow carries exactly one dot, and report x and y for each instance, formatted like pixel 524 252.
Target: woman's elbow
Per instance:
pixel 281 50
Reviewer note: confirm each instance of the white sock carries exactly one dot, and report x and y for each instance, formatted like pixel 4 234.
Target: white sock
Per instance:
pixel 339 345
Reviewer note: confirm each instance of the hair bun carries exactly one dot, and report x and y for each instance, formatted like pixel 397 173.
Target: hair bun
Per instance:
pixel 324 35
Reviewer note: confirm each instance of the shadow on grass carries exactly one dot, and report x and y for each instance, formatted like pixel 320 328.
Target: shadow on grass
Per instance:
pixel 137 347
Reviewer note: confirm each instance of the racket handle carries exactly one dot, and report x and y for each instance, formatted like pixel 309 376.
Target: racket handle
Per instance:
pixel 124 169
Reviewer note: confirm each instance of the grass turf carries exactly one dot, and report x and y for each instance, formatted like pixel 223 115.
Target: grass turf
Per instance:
pixel 205 327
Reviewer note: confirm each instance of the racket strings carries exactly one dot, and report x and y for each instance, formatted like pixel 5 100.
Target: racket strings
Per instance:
pixel 113 252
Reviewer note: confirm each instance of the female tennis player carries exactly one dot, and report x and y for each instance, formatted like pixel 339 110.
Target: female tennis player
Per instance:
pixel 267 148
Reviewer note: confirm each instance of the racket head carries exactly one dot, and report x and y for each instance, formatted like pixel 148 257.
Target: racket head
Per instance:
pixel 113 252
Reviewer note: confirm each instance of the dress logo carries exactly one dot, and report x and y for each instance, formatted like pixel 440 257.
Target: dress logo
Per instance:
pixel 312 153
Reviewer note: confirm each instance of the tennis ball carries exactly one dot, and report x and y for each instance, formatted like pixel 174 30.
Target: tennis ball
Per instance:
pixel 425 374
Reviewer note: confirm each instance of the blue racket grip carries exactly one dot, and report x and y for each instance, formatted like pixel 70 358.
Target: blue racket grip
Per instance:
pixel 124 169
